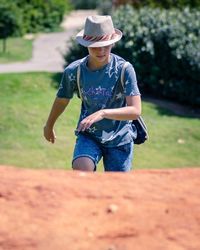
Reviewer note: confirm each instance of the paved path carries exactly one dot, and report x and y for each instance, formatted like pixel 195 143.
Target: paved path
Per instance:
pixel 49 48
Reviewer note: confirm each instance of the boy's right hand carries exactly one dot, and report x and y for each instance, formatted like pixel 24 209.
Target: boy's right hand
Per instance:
pixel 49 134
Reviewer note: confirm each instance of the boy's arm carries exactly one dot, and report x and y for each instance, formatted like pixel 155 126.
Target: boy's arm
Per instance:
pixel 57 109
pixel 131 112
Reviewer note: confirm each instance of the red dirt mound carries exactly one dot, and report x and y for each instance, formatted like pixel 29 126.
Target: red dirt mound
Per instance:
pixel 65 210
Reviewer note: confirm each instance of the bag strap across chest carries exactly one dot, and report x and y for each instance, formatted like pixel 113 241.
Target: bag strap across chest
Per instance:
pixel 78 81
pixel 139 123
pixel 122 73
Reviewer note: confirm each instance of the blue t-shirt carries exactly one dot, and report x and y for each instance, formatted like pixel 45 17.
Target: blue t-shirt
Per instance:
pixel 102 89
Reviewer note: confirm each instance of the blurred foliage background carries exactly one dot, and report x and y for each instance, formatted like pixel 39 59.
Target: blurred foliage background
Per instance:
pixel 162 44
pixel 30 16
pixel 105 6
pixel 164 47
pixel 167 4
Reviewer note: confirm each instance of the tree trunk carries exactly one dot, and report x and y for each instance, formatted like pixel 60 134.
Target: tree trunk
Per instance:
pixel 4 45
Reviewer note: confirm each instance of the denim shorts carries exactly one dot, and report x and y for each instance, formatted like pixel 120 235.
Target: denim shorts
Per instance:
pixel 114 158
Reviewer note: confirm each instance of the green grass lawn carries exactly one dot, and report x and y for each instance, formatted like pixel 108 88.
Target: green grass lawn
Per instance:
pixel 18 49
pixel 25 102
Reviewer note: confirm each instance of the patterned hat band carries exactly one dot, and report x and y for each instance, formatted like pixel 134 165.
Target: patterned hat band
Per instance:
pixel 99 38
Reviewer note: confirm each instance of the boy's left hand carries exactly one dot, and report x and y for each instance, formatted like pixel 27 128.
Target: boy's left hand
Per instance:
pixel 89 120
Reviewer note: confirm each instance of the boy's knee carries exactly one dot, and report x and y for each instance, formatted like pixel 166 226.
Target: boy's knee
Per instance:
pixel 83 164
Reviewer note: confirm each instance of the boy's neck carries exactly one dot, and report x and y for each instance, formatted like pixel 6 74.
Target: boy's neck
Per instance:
pixel 94 65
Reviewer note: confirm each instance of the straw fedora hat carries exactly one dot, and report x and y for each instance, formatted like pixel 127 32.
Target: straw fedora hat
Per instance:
pixel 98 32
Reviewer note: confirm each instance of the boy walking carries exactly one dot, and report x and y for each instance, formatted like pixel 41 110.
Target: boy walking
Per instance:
pixel 103 129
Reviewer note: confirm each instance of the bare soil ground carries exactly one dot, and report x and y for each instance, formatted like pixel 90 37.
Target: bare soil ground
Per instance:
pixel 65 210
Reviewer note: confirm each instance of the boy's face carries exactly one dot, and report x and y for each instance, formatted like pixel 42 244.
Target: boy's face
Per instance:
pixel 100 54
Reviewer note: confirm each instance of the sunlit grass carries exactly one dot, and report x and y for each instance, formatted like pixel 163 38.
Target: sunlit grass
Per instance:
pixel 25 102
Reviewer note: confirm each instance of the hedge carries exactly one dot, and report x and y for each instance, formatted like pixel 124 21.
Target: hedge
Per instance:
pixel 31 16
pixel 39 15
pixel 163 46
pixel 84 4
pixel 166 4
pixel 10 21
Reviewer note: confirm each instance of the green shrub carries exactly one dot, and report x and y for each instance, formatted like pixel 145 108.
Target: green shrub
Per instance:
pixel 104 6
pixel 75 52
pixel 9 21
pixel 166 4
pixel 39 15
pixel 84 4
pixel 163 46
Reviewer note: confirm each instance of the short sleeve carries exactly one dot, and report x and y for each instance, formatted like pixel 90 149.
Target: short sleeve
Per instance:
pixel 130 82
pixel 67 85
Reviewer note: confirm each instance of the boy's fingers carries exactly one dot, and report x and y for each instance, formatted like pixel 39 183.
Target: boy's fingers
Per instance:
pixel 85 124
pixel 49 135
pixel 53 138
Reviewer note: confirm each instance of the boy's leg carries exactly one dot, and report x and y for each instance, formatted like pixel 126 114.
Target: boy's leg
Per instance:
pixel 84 164
pixel 118 158
pixel 87 154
